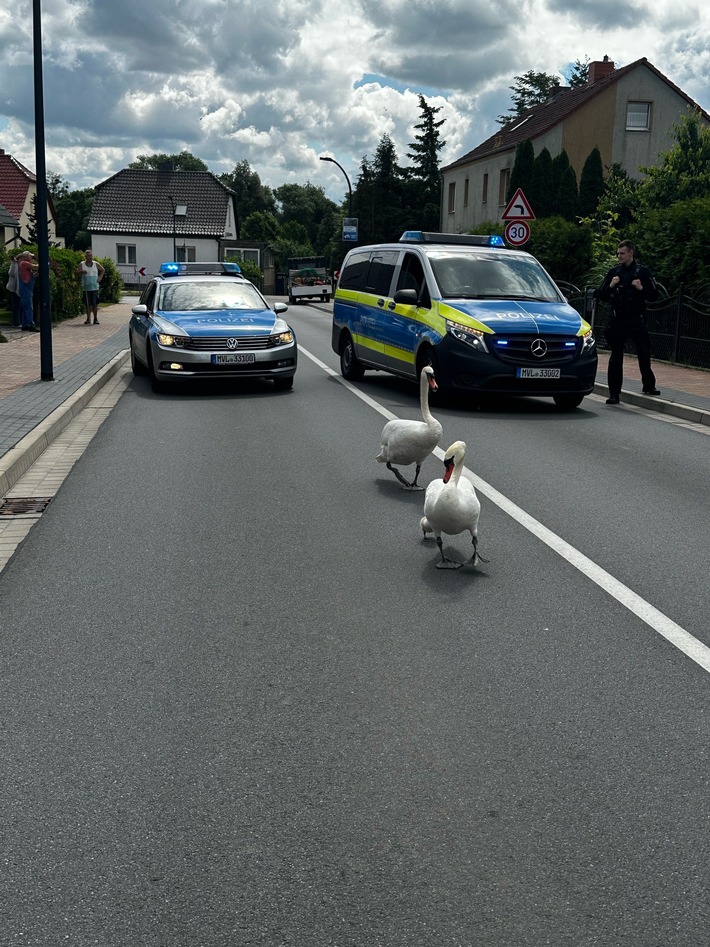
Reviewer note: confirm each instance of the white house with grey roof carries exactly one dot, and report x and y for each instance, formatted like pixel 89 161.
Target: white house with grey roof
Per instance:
pixel 141 218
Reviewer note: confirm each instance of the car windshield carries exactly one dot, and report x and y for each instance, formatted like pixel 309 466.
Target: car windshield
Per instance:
pixel 492 276
pixel 201 295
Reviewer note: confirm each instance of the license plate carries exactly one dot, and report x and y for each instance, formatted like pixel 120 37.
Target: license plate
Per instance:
pixel 234 357
pixel 538 373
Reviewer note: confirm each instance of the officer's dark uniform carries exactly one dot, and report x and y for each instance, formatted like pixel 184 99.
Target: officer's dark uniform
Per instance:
pixel 627 322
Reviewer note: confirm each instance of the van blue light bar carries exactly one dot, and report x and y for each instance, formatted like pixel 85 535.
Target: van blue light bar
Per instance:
pixel 460 239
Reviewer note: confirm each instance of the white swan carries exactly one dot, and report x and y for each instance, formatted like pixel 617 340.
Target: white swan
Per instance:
pixel 451 506
pixel 404 442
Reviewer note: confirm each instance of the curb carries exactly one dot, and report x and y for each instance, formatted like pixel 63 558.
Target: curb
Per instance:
pixel 683 411
pixel 20 458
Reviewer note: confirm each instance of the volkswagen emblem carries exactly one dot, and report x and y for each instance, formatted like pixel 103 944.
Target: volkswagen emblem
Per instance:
pixel 538 347
pixel 232 344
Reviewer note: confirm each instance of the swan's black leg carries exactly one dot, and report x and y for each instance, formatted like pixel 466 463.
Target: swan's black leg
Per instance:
pixel 445 563
pixel 398 475
pixel 475 558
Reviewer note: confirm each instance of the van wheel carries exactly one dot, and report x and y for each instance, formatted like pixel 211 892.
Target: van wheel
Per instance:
pixel 350 365
pixel 567 402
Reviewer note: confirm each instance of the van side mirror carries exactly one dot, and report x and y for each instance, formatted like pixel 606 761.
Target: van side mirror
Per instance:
pixel 407 297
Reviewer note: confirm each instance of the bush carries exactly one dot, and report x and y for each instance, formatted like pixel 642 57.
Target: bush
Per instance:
pixel 563 248
pixel 64 285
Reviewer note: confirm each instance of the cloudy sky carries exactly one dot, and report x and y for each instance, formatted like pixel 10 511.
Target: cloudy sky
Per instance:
pixel 279 83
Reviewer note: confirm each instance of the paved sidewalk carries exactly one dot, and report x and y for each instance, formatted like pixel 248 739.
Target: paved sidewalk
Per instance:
pixel 33 412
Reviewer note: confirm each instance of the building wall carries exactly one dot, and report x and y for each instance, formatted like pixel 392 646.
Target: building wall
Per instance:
pixel 592 127
pixel 150 252
pixel 637 149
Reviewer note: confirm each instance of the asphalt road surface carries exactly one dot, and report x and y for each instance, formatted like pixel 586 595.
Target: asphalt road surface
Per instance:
pixel 240 705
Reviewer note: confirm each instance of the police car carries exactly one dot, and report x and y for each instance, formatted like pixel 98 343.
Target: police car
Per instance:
pixel 490 320
pixel 206 320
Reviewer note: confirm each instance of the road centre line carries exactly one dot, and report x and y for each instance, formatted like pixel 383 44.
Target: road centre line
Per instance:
pixel 681 639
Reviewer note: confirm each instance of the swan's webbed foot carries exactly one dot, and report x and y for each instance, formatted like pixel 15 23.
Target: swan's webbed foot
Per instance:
pixel 446 563
pixel 476 558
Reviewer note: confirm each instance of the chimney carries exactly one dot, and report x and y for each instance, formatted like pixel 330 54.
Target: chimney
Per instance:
pixel 597 70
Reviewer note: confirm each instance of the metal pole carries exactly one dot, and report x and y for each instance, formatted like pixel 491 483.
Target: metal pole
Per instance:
pixel 45 313
pixel 350 190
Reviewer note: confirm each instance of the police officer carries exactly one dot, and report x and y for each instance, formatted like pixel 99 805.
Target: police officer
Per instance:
pixel 628 286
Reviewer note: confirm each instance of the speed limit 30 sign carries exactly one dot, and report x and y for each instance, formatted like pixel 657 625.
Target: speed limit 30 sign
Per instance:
pixel 517 232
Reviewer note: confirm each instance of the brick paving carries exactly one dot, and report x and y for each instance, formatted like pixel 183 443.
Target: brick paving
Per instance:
pixel 79 351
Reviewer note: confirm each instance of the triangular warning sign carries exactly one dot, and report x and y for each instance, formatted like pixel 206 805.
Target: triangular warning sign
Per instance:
pixel 518 207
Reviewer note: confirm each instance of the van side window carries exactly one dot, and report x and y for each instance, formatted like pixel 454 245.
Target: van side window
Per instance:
pixel 355 271
pixel 411 276
pixel 382 266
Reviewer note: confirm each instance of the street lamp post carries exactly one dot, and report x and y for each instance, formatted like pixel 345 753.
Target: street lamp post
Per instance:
pixel 350 190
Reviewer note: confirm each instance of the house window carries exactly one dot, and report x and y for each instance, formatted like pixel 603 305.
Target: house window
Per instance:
pixel 126 254
pixel 185 255
pixel 452 197
pixel 484 198
pixel 245 255
pixel 503 184
pixel 465 193
pixel 638 116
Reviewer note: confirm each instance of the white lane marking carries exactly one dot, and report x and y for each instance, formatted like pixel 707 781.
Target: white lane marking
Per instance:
pixel 655 619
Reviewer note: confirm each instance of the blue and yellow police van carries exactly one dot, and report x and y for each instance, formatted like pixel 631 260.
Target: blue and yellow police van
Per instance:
pixel 489 319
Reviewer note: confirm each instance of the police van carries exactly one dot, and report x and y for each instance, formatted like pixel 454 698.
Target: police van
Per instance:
pixel 490 320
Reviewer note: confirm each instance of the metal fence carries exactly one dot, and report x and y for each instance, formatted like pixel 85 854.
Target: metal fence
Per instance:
pixel 679 326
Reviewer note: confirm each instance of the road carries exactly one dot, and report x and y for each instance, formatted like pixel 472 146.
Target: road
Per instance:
pixel 242 707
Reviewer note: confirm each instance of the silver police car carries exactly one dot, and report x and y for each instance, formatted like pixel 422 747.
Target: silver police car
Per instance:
pixel 206 320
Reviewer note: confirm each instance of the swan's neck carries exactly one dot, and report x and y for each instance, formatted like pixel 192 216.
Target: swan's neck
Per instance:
pixel 424 398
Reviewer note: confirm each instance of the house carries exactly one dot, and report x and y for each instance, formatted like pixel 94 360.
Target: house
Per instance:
pixel 9 229
pixel 141 218
pixel 18 191
pixel 628 113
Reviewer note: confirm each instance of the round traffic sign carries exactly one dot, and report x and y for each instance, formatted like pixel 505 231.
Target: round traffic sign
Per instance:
pixel 517 232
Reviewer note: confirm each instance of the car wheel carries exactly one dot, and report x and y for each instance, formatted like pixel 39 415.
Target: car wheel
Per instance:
pixel 567 402
pixel 350 365
pixel 283 384
pixel 137 367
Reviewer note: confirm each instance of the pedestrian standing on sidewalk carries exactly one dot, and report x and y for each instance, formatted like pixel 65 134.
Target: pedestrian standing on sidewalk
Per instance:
pixel 13 289
pixel 26 269
pixel 91 273
pixel 628 286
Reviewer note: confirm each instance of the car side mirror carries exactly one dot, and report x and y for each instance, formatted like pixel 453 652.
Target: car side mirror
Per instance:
pixel 140 310
pixel 280 307
pixel 408 297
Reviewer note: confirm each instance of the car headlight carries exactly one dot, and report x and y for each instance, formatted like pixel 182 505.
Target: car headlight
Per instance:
pixel 473 337
pixel 168 339
pixel 283 334
pixel 588 342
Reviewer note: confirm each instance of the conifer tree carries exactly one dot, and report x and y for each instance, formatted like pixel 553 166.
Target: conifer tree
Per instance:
pixel 591 184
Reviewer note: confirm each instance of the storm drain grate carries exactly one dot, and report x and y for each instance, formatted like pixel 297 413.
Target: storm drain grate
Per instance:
pixel 17 505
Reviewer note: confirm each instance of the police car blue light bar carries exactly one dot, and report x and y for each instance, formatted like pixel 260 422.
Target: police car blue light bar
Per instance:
pixel 200 269
pixel 460 239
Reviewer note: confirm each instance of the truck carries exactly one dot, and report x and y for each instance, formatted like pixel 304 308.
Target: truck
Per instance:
pixel 308 278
